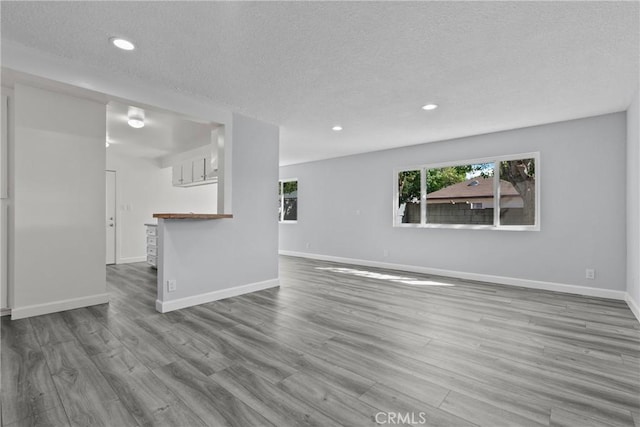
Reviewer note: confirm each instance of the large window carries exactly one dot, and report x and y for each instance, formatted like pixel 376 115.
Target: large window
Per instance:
pixel 495 193
pixel 288 200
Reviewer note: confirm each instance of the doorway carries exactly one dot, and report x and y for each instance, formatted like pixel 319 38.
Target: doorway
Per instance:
pixel 110 216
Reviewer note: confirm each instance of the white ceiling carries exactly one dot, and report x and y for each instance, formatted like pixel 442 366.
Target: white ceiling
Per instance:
pixel 368 66
pixel 163 134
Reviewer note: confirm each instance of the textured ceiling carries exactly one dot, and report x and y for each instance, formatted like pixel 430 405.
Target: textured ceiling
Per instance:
pixel 368 66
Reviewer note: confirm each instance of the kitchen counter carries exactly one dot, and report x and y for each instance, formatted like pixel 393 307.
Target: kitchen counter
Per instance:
pixel 191 216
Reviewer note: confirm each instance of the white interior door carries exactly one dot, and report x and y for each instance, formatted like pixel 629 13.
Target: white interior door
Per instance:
pixel 4 292
pixel 111 216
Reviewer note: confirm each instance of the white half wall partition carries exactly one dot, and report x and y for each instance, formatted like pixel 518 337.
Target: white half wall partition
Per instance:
pixel 345 211
pixel 58 206
pixel 633 205
pixel 216 259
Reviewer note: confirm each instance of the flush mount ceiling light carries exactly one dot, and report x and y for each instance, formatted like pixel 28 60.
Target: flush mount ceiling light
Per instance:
pixel 136 117
pixel 430 107
pixel 336 128
pixel 121 43
pixel 136 122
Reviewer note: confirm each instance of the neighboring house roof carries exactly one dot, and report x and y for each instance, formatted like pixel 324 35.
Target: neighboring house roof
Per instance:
pixel 473 188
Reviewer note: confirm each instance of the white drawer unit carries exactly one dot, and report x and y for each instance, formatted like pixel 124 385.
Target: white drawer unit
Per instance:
pixel 152 245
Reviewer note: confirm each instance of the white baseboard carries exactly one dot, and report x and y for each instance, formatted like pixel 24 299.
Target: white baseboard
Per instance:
pixel 166 306
pixel 5 312
pixel 633 305
pixel 56 306
pixel 131 260
pixel 525 283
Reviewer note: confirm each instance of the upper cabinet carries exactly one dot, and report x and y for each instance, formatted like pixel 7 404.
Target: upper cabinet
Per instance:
pixel 211 168
pixel 177 175
pixel 197 167
pixel 187 172
pixel 198 171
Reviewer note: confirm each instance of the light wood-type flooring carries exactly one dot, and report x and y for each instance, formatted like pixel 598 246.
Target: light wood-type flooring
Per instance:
pixel 335 345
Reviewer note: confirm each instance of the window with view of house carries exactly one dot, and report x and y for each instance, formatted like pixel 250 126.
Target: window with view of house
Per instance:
pixel 288 200
pixel 502 192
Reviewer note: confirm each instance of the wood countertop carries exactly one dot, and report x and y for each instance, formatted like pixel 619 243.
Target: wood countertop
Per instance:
pixel 191 216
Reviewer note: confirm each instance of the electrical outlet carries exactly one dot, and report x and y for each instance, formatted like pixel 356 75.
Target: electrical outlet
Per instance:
pixel 385 253
pixel 308 245
pixel 590 273
pixel 171 285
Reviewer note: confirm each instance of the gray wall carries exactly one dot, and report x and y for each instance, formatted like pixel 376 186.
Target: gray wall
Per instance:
pixel 59 202
pixel 633 201
pixel 345 207
pixel 214 255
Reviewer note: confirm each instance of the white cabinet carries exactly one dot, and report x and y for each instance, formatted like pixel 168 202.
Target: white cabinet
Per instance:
pixel 211 169
pixel 198 171
pixel 187 172
pixel 177 175
pixel 152 245
pixel 183 173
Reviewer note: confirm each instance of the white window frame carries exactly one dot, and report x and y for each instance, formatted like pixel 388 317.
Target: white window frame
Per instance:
pixel 280 185
pixel 496 194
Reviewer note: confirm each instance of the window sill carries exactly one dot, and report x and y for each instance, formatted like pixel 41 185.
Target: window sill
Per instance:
pixel 288 222
pixel 472 227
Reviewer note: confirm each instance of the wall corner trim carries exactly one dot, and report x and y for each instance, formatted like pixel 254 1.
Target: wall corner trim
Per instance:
pixel 633 306
pixel 502 280
pixel 56 306
pixel 167 306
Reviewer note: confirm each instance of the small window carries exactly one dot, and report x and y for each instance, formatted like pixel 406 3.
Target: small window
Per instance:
pixel 288 200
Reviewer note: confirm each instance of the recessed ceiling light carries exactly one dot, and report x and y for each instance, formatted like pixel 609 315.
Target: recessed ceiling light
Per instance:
pixel 122 43
pixel 430 107
pixel 337 128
